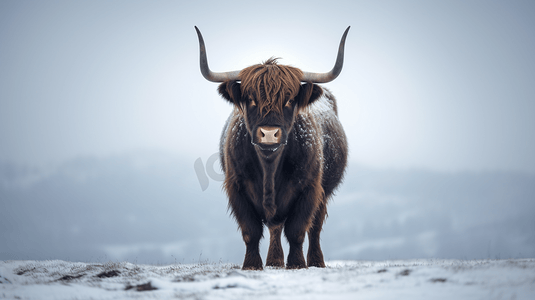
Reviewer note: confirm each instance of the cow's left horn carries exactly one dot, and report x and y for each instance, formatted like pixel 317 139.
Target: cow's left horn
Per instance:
pixel 329 76
pixel 205 70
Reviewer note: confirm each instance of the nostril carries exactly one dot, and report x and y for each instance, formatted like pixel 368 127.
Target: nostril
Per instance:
pixel 276 133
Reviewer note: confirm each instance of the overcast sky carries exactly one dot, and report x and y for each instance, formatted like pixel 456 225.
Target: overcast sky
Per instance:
pixel 445 86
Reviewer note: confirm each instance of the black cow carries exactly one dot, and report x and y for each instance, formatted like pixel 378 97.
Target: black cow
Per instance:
pixel 283 152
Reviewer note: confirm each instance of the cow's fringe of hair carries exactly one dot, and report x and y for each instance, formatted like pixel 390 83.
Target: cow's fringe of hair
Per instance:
pixel 271 84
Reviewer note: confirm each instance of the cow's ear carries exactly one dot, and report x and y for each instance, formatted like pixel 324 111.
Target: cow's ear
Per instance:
pixel 308 93
pixel 231 91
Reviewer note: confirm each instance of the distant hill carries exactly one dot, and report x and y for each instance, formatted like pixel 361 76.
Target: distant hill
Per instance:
pixel 150 208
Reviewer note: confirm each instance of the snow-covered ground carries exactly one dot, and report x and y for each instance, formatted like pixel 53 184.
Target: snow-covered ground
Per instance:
pixel 396 279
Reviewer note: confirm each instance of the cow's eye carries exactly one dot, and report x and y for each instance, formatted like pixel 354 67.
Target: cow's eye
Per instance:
pixel 253 103
pixel 290 103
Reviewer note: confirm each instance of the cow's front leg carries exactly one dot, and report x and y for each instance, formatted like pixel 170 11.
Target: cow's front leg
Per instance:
pixel 297 224
pixel 275 257
pixel 251 236
pixel 315 256
pixel 251 228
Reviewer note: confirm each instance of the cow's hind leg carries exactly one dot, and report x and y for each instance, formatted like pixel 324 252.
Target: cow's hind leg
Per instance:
pixel 295 234
pixel 275 257
pixel 315 255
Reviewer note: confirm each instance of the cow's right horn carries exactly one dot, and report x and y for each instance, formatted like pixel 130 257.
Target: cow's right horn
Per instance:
pixel 205 70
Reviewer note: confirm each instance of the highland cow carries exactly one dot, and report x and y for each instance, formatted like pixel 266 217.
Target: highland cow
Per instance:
pixel 283 152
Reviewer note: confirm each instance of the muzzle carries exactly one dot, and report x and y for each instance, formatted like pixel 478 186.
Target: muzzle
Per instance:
pixel 268 138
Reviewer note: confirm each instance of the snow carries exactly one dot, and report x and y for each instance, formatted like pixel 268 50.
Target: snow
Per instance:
pixel 396 279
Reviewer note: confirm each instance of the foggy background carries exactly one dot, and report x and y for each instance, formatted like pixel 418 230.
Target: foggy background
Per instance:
pixel 103 112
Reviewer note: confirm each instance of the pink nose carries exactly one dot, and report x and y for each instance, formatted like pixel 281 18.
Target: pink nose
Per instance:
pixel 268 135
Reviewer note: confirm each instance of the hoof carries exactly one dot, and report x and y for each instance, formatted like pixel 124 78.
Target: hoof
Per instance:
pixel 275 263
pixel 252 268
pixel 294 267
pixel 252 265
pixel 296 260
pixel 317 264
pixel 252 262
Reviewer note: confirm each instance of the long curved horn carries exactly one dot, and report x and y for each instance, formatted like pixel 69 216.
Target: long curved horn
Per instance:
pixel 205 70
pixel 329 76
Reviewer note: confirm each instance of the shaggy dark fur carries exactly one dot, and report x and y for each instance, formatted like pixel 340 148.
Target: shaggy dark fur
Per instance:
pixel 286 185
